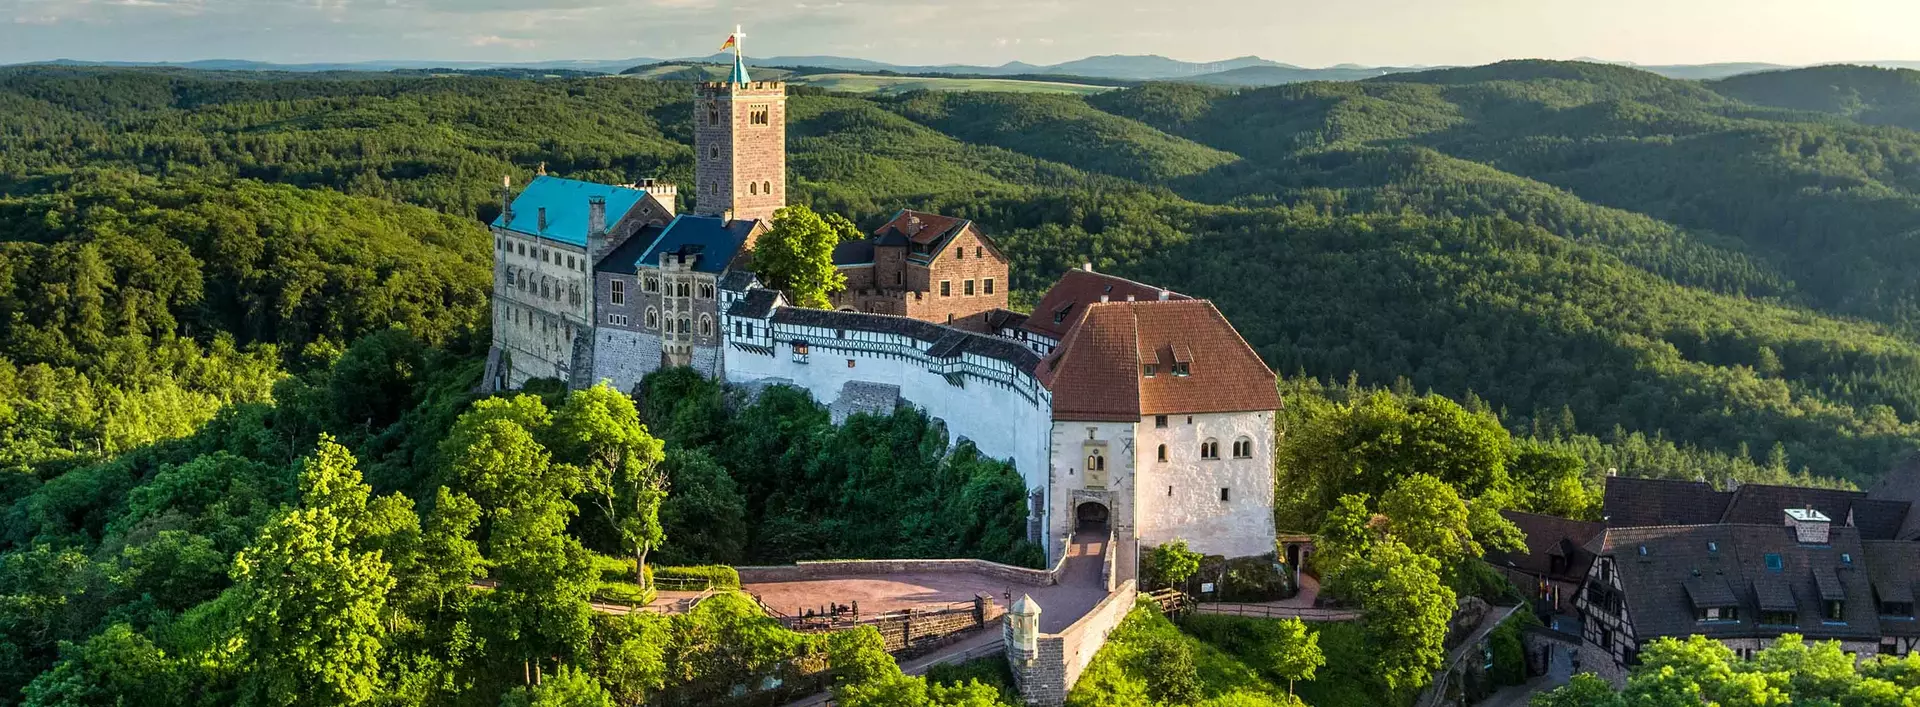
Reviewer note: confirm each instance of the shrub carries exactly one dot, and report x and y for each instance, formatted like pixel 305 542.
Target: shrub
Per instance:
pixel 717 576
pixel 1172 677
pixel 1260 578
pixel 1169 565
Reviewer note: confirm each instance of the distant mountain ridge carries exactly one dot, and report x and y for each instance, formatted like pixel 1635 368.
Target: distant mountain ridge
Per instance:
pixel 1245 71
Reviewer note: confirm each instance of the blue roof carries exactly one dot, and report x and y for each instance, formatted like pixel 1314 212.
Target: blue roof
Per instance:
pixel 716 240
pixel 566 203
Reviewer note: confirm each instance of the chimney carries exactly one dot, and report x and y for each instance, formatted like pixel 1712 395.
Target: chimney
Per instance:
pixel 1163 295
pixel 1086 266
pixel 1103 298
pixel 914 225
pixel 1129 298
pixel 1810 527
pixel 543 169
pixel 596 227
pixel 506 198
pixel 1733 484
pixel 543 219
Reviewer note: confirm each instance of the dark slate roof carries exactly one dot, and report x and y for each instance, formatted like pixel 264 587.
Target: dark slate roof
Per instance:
pixel 737 280
pixel 566 203
pixel 756 305
pixel 1902 484
pixel 1709 591
pixel 998 319
pixel 850 253
pixel 621 259
pixel 1680 560
pixel 713 239
pixel 947 341
pixel 1549 537
pixel 1894 567
pixel 1633 502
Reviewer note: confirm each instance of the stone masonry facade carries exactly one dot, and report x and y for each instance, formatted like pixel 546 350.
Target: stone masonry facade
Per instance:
pixel 740 139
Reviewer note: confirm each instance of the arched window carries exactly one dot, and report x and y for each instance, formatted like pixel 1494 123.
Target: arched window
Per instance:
pixel 653 318
pixel 753 188
pixel 1163 452
pixel 546 291
pixel 715 152
pixel 1243 448
pixel 686 325
pixel 1210 449
pixel 706 325
pixel 766 187
pixel 1096 461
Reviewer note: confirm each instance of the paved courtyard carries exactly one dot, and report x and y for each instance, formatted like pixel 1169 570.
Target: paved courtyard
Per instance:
pixel 1079 589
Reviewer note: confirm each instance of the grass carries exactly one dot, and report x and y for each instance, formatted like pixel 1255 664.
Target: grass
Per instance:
pixel 1118 674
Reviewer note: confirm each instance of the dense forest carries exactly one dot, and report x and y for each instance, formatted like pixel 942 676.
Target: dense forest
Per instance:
pixel 241 319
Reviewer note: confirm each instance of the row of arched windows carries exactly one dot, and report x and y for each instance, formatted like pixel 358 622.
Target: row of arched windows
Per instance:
pixel 1210 449
pixel 684 325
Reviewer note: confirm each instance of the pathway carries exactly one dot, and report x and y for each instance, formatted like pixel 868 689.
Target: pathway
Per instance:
pixel 1300 606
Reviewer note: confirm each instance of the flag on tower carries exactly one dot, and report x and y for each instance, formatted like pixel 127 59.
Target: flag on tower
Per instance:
pixel 732 41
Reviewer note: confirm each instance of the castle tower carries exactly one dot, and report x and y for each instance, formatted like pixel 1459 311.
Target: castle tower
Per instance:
pixel 740 144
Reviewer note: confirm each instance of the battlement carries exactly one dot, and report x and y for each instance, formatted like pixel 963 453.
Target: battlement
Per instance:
pixel 711 88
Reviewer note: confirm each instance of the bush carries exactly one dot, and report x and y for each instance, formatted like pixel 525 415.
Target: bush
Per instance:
pixel 1171 674
pixel 1169 565
pixel 1260 578
pixel 1509 655
pixel 991 671
pixel 623 592
pixel 698 576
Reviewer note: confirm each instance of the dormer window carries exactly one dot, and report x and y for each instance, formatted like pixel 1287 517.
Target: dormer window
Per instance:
pixel 1180 370
pixel 1147 370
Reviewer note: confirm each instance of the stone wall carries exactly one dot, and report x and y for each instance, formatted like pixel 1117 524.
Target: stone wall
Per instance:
pixel 622 357
pixel 830 569
pixel 965 259
pixel 1060 658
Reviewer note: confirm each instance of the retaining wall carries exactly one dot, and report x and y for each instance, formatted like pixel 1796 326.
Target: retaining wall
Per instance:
pixel 834 569
pixel 1059 658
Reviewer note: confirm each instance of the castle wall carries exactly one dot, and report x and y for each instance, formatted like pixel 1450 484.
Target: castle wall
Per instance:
pixel 622 357
pixel 1179 499
pixel 1004 423
pixel 547 305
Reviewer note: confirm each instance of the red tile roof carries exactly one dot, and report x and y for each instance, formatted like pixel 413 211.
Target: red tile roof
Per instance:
pixel 921 227
pixel 1096 374
pixel 1062 305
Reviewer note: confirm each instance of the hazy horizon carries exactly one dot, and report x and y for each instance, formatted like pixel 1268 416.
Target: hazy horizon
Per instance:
pixel 983 32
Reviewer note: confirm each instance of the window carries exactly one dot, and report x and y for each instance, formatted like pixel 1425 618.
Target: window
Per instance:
pixel 546 256
pixel 1160 421
pixel 714 152
pixel 1243 448
pixel 1836 611
pixel 686 325
pixel 989 286
pixel 1715 613
pixel 1774 564
pixel 849 363
pixel 650 284
pixel 570 262
pixel 546 291
pixel 1780 618
pixel 1210 449
pixel 959 254
pixel 706 291
pixel 966 288
pixel 1060 316
pixel 799 352
pixel 758 114
pixel 1180 370
pixel 1096 461
pixel 653 318
pixel 946 288
pixel 684 290
pixel 1225 494
pixel 753 187
pixel 899 278
pixel 706 325
pixel 977 250
pixel 617 292
pixel 713 115
pixel 1163 453
pixel 1146 371
pixel 766 188
pixel 522 247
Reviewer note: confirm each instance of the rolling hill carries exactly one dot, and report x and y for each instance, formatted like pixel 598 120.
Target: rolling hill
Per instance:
pixel 1656 259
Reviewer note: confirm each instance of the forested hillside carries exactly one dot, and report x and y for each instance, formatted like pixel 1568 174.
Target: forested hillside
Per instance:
pixel 241 319
pixel 1647 254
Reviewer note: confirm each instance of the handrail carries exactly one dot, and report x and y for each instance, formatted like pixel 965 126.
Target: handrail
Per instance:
pixel 1304 613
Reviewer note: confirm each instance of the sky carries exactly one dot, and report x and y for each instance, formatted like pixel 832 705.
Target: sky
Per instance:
pixel 1323 33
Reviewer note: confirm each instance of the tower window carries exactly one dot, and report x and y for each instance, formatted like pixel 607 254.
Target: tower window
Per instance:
pixel 758 114
pixel 753 188
pixel 653 318
pixel 766 188
pixel 714 152
pixel 706 325
pixel 713 114
pixel 617 292
pixel 1163 454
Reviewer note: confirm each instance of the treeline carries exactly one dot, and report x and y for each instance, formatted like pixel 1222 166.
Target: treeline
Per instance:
pixel 797 487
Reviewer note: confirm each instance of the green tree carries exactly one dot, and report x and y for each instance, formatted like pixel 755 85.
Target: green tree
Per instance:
pixel 313 602
pixel 1584 690
pixel 796 255
pixel 1172 676
pixel 1404 608
pixel 1296 652
pixel 568 687
pixel 705 520
pixel 600 429
pixel 1170 564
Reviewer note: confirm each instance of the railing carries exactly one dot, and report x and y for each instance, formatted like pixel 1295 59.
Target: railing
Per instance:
pixel 1436 693
pixel 1268 611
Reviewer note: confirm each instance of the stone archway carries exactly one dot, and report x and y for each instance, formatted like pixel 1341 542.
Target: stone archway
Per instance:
pixel 1091 515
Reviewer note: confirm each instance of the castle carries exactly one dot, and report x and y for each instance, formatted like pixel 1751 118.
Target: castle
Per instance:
pixel 1123 406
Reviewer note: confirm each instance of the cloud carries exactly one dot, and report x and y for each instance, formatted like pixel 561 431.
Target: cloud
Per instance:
pixel 41 20
pixel 494 40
